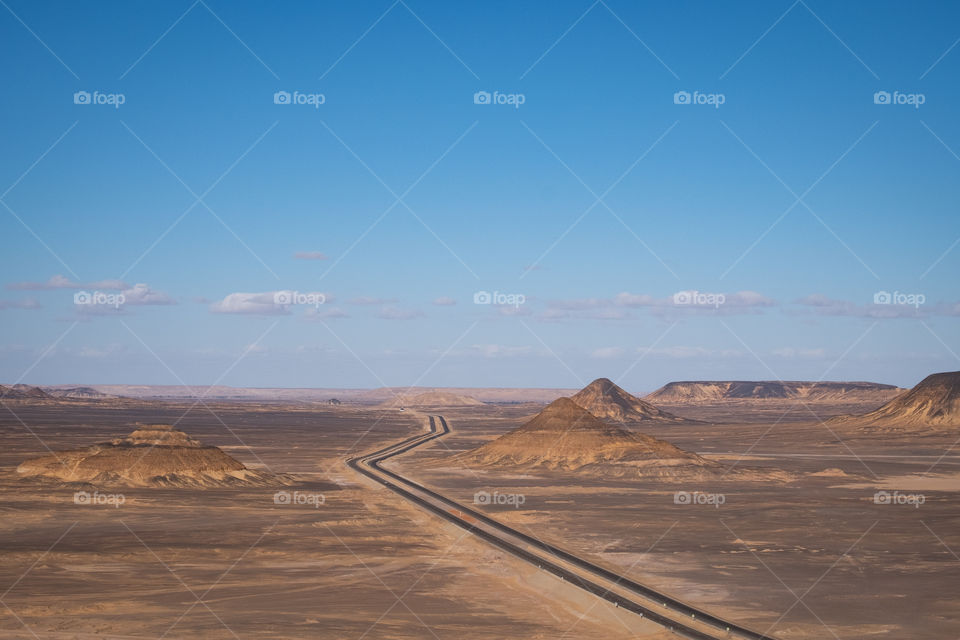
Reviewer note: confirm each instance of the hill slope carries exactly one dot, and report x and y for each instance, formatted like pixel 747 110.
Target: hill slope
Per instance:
pixel 22 392
pixel 934 402
pixel 151 456
pixel 606 400
pixel 568 437
pixel 718 391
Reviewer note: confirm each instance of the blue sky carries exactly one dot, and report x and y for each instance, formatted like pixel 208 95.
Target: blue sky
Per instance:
pixel 597 200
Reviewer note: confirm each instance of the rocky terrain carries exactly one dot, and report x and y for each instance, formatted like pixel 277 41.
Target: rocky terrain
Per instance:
pixel 565 436
pixel 433 399
pixel 686 392
pixel 933 403
pixel 151 456
pixel 607 401
pixel 22 392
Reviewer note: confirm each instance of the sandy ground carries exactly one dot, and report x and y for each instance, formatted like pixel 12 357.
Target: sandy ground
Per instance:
pixel 818 557
pixel 234 564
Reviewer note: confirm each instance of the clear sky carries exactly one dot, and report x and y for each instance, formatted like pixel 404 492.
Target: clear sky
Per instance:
pixel 182 163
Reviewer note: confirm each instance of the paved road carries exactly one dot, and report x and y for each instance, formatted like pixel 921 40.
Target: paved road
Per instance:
pixel 679 617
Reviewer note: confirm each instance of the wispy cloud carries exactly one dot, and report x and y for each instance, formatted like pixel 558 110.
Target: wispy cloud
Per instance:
pixel 62 282
pixel 310 255
pixel 391 312
pixel 260 304
pixel 680 304
pixel 444 301
pixel 824 306
pixel 324 313
pixel 366 301
pixel 26 303
pixel 141 294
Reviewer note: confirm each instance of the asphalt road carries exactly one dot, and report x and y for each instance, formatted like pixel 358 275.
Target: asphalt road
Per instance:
pixel 681 618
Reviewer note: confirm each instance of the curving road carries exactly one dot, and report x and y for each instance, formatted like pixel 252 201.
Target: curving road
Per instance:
pixel 681 618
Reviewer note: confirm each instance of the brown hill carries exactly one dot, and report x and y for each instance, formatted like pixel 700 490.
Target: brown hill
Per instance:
pixel 688 392
pixel 433 399
pixel 607 401
pixel 934 402
pixel 75 392
pixel 566 436
pixel 151 456
pixel 22 392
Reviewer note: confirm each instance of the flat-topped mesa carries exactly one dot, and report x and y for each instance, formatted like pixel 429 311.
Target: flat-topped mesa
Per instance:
pixel 568 437
pixel 433 399
pixel 151 456
pixel 693 391
pixel 157 435
pixel 605 400
pixel 934 402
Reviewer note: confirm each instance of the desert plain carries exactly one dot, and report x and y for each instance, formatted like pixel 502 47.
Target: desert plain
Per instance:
pixel 805 526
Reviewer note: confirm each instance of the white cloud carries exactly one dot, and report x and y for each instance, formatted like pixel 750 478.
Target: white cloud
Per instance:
pixel 141 294
pixel 608 352
pixel 444 301
pixel 250 303
pixel 634 300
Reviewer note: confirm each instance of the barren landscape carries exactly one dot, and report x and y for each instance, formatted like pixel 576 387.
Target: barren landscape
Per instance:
pixel 775 525
pixel 413 319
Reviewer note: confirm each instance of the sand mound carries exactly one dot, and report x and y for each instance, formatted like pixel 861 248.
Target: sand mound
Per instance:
pixel 832 472
pixel 568 437
pixel 151 456
pixel 606 400
pixel 934 402
pixel 433 399
pixel 718 391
